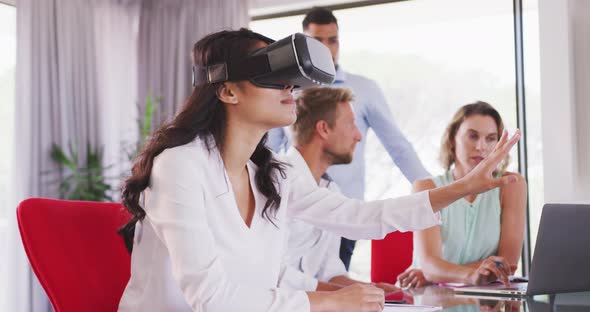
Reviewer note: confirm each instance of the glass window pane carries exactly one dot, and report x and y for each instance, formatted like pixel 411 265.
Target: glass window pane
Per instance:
pixel 7 77
pixel 530 20
pixel 7 93
pixel 429 57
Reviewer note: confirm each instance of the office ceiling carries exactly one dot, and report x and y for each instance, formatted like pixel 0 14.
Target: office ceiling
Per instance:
pixel 10 2
pixel 263 7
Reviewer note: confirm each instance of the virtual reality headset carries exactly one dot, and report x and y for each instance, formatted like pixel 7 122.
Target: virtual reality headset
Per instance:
pixel 297 60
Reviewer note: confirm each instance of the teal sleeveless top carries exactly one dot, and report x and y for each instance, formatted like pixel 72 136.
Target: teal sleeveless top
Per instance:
pixel 470 231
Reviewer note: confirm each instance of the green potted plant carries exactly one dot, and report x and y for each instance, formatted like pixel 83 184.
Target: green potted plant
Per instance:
pixel 144 124
pixel 83 180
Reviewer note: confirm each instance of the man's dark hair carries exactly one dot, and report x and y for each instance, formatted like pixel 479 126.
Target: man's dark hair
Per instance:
pixel 318 15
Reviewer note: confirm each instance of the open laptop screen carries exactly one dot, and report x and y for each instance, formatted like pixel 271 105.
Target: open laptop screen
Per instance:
pixel 562 252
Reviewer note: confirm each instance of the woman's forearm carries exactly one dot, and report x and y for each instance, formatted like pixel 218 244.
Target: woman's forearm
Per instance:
pixel 474 264
pixel 440 271
pixel 444 196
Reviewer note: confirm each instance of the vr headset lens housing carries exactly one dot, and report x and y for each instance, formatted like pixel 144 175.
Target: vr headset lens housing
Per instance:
pixel 296 60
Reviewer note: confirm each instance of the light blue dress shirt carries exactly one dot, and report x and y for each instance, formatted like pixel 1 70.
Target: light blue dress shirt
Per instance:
pixel 371 111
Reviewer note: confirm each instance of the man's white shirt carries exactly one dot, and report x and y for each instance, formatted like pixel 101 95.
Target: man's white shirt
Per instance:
pixel 311 250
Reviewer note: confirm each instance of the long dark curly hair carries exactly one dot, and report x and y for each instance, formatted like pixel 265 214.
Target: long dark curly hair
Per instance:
pixel 204 116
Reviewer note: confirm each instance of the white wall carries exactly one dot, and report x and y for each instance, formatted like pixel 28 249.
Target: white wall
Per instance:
pixel 564 27
pixel 581 47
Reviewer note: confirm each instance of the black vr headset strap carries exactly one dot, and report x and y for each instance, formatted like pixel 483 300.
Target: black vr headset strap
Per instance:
pixel 250 67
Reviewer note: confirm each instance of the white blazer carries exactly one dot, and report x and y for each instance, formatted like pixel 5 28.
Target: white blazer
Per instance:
pixel 193 251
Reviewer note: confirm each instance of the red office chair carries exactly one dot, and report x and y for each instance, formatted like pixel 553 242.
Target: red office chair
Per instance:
pixel 74 250
pixel 391 256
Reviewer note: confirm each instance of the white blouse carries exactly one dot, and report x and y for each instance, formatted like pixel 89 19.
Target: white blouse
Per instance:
pixel 193 251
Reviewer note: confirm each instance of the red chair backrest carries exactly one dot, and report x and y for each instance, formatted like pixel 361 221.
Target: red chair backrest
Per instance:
pixel 74 250
pixel 391 256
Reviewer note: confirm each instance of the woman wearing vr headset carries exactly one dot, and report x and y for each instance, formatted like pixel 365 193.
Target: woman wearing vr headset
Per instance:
pixel 209 201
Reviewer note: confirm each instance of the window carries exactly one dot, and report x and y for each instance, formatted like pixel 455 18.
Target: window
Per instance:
pixel 530 21
pixel 7 93
pixel 430 57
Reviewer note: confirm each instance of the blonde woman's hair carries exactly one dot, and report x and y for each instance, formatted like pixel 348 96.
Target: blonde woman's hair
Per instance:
pixel 315 104
pixel 447 146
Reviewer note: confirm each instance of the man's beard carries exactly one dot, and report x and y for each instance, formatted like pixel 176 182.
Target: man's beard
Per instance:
pixel 340 159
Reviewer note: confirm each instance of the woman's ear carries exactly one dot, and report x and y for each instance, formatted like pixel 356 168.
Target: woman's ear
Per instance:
pixel 226 93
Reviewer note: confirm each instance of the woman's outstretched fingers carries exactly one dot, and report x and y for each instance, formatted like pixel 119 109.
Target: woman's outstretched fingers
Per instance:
pixel 499 146
pixel 504 145
pixel 503 139
pixel 502 149
pixel 515 137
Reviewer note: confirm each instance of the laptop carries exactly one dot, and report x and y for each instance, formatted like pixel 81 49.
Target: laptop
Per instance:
pixel 568 302
pixel 495 297
pixel 561 255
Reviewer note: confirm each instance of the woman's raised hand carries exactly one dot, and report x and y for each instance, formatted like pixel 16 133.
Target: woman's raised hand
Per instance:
pixel 481 178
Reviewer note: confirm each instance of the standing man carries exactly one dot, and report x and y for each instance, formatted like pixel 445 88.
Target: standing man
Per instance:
pixel 324 134
pixel 371 110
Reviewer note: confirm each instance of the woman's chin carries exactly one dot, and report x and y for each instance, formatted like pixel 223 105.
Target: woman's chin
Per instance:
pixel 275 120
pixel 284 121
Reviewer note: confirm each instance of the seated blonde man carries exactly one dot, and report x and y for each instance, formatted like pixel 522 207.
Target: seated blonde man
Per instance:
pixel 324 134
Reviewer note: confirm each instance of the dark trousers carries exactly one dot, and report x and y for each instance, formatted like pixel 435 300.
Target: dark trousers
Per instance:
pixel 346 249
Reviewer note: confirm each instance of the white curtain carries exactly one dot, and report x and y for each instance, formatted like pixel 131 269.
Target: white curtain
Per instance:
pixel 168 30
pixel 63 94
pixel 55 102
pixel 116 29
pixel 82 68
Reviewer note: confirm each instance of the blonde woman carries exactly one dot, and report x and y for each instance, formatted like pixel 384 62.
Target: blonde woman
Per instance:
pixel 482 232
